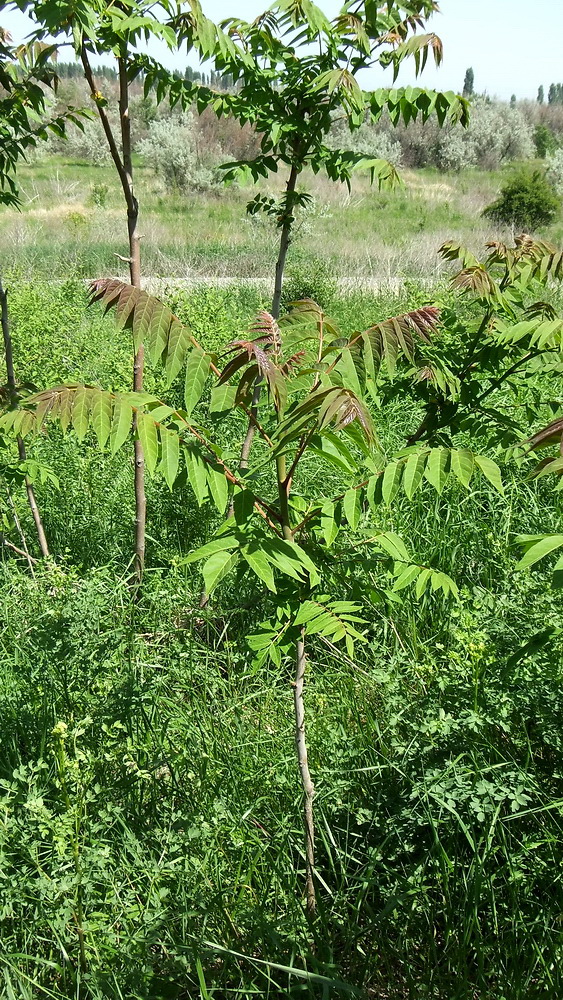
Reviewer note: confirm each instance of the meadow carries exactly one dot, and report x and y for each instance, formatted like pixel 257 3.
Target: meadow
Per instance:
pixel 149 799
pixel 71 222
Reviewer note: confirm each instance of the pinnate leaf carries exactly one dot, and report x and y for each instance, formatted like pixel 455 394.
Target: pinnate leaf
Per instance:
pixel 148 436
pixel 436 471
pixel 170 455
pixel 259 564
pixel 101 417
pixel 463 463
pixel 412 476
pixel 222 543
pixel 491 471
pixel 121 424
pixel 539 549
pixel 217 567
pixel 391 481
pixel 352 508
pixel 197 370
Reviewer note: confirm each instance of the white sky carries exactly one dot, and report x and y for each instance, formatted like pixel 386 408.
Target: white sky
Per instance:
pixel 513 46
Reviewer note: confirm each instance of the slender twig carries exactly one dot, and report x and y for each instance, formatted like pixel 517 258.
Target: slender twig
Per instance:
pixel 302 447
pixel 20 531
pixel 506 375
pixel 252 417
pixel 306 780
pixel 20 552
pixel 13 394
pixel 284 488
pixel 106 125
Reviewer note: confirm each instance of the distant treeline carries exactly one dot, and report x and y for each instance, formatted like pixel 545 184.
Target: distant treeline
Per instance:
pixel 554 94
pixel 73 70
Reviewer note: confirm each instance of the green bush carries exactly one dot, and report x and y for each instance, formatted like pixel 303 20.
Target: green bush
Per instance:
pixel 526 202
pixel 544 141
pixel 99 195
pixel 307 277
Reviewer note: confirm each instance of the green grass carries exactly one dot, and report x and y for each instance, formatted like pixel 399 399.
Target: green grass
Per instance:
pixel 147 768
pixel 378 237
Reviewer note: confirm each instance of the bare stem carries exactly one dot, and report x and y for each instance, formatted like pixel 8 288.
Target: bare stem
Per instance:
pixel 124 167
pixel 284 487
pixel 13 394
pixel 308 787
pixel 135 273
pixel 285 239
pixel 20 531
pixel 20 552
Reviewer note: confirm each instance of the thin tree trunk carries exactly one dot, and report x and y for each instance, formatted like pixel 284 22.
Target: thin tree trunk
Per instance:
pixel 285 239
pixel 124 167
pixel 135 275
pixel 284 486
pixel 12 391
pixel 308 787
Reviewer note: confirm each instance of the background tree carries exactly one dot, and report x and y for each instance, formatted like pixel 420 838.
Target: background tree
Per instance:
pixel 290 94
pixel 540 97
pixel 469 83
pixel 544 141
pixel 100 29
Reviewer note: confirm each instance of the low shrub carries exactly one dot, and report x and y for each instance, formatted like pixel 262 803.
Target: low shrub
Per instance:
pixel 308 277
pixel 526 202
pixel 171 147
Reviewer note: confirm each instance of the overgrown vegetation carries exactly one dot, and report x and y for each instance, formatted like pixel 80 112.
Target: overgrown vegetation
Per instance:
pixel 381 568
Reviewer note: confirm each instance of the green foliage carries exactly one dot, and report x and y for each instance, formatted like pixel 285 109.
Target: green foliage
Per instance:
pixel 148 833
pixel 151 322
pixel 289 92
pixel 497 332
pixel 99 195
pixel 466 792
pixel 171 148
pixel 308 278
pixel 468 787
pixel 544 141
pixel 527 202
pixel 27 116
pixel 305 364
